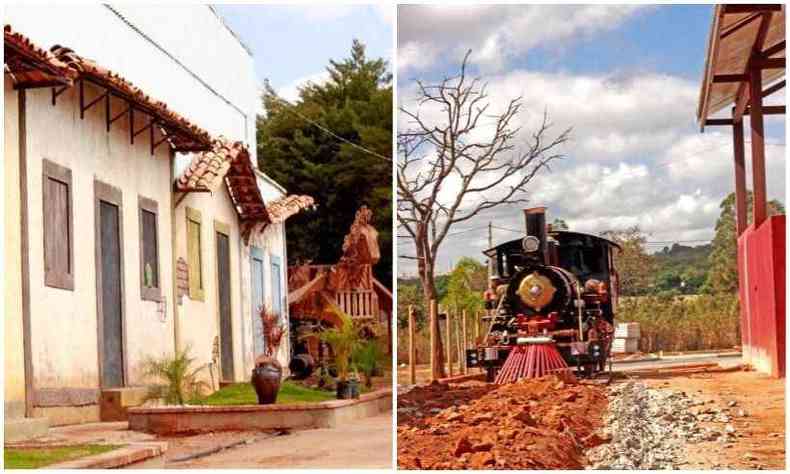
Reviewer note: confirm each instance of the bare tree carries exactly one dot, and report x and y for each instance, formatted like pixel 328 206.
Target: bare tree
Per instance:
pixel 466 148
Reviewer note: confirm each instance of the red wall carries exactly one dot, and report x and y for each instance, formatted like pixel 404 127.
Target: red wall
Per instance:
pixel 761 265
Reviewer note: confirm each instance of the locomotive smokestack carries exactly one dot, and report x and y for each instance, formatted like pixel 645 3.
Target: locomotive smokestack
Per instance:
pixel 535 218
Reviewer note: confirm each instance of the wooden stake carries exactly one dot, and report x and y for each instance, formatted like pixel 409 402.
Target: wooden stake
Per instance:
pixel 412 354
pixel 466 344
pixel 435 371
pixel 449 351
pixel 477 326
pixel 457 325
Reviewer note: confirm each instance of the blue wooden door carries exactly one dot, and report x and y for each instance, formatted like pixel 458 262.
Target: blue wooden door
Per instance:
pixel 277 295
pixel 256 277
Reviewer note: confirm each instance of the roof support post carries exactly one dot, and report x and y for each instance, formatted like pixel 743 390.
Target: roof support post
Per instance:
pixel 740 177
pixel 107 111
pixel 82 99
pixel 758 145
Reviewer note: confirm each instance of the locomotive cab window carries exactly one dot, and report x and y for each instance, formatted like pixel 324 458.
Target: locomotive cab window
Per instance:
pixel 583 259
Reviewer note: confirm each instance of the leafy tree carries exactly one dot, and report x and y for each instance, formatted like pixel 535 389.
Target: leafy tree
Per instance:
pixel 296 149
pixel 723 275
pixel 465 286
pixel 410 294
pixel 635 267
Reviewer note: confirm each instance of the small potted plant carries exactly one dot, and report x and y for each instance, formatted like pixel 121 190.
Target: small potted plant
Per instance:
pixel 267 374
pixel 343 340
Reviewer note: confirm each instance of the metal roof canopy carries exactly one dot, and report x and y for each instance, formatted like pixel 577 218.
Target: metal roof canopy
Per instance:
pixel 742 38
pixel 746 49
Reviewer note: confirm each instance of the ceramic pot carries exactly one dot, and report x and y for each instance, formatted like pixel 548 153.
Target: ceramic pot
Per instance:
pixel 266 377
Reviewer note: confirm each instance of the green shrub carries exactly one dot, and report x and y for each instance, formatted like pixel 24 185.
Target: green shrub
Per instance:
pixel 179 378
pixel 683 323
pixel 366 358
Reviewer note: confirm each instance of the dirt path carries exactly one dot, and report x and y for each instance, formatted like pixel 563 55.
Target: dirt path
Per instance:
pixel 364 443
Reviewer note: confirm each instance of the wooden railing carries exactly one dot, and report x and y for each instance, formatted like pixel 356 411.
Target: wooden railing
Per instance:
pixel 359 304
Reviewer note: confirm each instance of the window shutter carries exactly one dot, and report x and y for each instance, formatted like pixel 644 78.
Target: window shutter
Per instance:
pixel 57 227
pixel 194 255
pixel 150 286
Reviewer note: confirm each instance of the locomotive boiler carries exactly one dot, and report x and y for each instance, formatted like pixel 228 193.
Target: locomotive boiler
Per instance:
pixel 552 289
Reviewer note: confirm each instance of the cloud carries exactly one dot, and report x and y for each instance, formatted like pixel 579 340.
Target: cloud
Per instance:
pixel 497 34
pixel 290 92
pixel 636 158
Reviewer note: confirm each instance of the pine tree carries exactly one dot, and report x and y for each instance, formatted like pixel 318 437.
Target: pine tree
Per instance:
pixel 355 104
pixel 723 274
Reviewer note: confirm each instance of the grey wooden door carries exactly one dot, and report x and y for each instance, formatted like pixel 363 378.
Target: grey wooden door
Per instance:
pixel 256 269
pixel 225 324
pixel 111 303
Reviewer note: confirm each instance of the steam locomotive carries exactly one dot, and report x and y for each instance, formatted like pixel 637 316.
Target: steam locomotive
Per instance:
pixel 552 286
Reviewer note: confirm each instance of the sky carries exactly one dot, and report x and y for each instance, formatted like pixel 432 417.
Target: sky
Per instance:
pixel 625 78
pixel 292 44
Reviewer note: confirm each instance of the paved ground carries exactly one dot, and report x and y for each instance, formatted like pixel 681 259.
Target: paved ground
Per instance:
pixel 364 443
pixel 725 360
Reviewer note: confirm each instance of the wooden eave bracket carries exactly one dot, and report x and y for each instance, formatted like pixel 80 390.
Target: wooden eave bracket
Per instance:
pixel 56 92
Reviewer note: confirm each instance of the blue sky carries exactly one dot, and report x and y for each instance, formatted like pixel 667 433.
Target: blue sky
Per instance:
pixel 625 78
pixel 292 43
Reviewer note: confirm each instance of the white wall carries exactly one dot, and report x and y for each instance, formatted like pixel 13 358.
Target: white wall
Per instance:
pixel 272 242
pixel 63 322
pixel 192 34
pixel 12 272
pixel 199 320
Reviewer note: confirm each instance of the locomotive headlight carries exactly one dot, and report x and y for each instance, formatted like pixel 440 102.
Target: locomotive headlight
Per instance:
pixel 530 244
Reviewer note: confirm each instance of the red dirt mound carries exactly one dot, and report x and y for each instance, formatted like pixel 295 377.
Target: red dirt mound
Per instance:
pixel 531 424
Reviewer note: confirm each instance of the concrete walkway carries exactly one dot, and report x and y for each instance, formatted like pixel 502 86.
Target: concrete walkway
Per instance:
pixel 364 443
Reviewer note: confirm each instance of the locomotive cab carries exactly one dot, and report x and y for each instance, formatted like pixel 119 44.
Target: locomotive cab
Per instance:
pixel 553 284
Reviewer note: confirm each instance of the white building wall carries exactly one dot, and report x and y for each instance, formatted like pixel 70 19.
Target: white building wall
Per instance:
pixel 14 375
pixel 272 242
pixel 199 320
pixel 64 340
pixel 183 55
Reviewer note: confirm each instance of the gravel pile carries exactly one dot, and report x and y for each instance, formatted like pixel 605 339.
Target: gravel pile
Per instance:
pixel 648 428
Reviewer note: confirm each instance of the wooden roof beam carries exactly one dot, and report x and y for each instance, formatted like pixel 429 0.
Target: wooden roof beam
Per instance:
pixel 770 110
pixel 742 97
pixel 776 87
pixel 719 78
pixel 771 50
pixel 719 122
pixel 769 63
pixel 736 9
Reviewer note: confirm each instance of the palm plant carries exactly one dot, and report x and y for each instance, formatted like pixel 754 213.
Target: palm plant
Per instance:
pixel 179 376
pixel 343 340
pixel 366 357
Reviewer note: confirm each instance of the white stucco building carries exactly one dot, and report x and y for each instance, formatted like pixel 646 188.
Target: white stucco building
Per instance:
pixel 131 224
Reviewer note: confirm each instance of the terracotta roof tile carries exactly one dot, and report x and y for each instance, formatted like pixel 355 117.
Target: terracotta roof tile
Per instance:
pixel 32 66
pixel 182 134
pixel 285 207
pixel 207 168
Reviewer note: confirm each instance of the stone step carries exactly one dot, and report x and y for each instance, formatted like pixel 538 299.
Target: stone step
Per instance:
pixel 116 401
